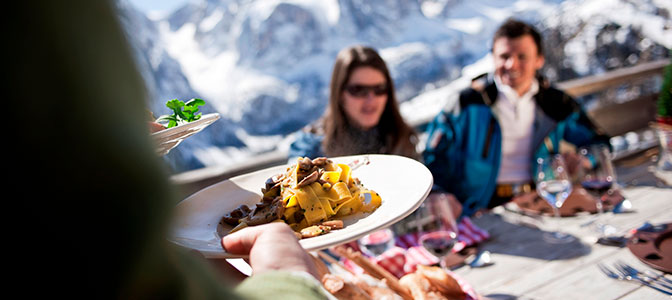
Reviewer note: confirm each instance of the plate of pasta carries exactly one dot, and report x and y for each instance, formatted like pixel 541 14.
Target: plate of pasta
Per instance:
pixel 360 194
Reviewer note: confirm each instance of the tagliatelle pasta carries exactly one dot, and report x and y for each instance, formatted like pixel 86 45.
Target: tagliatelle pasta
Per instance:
pixel 310 196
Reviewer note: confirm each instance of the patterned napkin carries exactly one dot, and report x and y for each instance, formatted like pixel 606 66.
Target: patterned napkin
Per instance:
pixel 407 253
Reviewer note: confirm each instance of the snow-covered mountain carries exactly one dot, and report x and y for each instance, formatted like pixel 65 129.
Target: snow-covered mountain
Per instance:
pixel 265 65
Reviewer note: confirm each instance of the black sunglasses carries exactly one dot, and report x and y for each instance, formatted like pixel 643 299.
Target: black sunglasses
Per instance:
pixel 360 90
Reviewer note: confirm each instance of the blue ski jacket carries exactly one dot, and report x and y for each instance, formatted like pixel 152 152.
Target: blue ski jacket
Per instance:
pixel 463 149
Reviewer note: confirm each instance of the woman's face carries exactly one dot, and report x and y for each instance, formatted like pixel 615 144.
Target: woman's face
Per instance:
pixel 364 97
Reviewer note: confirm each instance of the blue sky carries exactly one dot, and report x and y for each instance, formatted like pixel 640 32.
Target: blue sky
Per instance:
pixel 157 5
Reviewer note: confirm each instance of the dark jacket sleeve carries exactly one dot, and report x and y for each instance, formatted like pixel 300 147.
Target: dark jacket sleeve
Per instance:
pixel 577 127
pixel 581 131
pixel 440 133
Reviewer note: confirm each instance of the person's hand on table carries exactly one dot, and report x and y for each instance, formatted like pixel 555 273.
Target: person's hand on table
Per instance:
pixel 526 197
pixel 575 163
pixel 578 195
pixel 271 246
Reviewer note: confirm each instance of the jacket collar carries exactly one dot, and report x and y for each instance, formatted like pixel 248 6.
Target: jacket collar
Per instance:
pixel 485 84
pixel 545 119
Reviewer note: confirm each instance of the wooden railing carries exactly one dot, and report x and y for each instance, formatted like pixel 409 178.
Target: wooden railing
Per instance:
pixel 620 118
pixel 595 83
pixel 614 119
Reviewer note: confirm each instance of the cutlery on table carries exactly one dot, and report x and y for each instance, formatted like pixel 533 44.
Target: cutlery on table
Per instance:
pixel 618 276
pixel 481 259
pixel 646 274
pixel 648 227
pixel 618 241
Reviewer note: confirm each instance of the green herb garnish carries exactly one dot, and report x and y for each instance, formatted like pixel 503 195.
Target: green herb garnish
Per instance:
pixel 182 112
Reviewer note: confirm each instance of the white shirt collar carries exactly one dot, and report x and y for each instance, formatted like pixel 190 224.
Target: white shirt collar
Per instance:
pixel 510 94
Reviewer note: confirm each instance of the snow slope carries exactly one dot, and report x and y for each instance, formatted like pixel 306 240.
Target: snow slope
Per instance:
pixel 265 65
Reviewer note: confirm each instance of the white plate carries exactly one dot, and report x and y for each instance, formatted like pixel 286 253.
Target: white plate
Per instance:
pixel 402 183
pixel 169 138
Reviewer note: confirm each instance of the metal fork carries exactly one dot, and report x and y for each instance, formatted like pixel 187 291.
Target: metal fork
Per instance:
pixel 645 272
pixel 359 162
pixel 615 275
pixel 646 275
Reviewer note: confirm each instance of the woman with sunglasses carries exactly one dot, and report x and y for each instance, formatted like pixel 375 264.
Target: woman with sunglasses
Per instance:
pixel 363 114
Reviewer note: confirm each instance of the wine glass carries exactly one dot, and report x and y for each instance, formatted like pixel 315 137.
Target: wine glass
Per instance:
pixel 377 242
pixel 598 177
pixel 436 226
pixel 554 186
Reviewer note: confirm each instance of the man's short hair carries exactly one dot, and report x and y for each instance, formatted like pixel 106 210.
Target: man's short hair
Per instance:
pixel 513 28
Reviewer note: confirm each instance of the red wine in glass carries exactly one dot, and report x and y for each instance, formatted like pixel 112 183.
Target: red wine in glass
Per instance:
pixel 439 243
pixel 377 243
pixel 597 187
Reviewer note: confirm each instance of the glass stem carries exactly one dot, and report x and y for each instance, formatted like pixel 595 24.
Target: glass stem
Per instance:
pixel 599 206
pixel 556 214
pixel 600 211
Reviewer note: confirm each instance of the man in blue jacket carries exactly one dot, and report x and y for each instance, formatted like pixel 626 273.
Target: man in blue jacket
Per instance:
pixel 484 150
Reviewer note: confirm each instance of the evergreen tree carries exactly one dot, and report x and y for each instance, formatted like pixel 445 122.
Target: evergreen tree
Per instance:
pixel 665 97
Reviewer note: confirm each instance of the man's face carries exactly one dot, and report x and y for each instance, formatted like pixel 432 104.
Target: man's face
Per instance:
pixel 516 61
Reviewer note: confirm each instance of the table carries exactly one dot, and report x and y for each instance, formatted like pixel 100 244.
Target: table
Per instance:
pixel 525 267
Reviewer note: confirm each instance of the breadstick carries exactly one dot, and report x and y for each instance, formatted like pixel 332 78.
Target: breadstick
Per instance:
pixel 322 268
pixel 375 271
pixel 332 261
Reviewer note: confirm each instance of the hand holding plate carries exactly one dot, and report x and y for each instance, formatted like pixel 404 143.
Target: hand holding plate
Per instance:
pixel 271 246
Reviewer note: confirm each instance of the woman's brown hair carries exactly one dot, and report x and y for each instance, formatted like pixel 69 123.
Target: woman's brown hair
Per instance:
pixel 397 137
